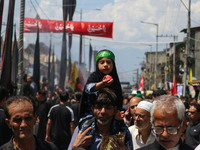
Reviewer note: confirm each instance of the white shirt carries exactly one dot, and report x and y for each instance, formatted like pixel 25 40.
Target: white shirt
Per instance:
pixel 198 147
pixel 137 141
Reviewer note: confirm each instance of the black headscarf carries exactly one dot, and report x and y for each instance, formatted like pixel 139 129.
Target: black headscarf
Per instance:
pixel 97 76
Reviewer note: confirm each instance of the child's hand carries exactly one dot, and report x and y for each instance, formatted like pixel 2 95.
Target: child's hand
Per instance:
pixel 107 80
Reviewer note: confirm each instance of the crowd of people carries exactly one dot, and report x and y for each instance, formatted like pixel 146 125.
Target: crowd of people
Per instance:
pixel 101 117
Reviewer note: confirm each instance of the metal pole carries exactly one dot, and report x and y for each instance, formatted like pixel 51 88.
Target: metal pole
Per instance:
pixel 156 63
pixel 81 41
pixel 166 68
pixel 151 70
pixel 156 60
pixel 187 51
pixel 174 58
pixel 21 47
pixel 137 77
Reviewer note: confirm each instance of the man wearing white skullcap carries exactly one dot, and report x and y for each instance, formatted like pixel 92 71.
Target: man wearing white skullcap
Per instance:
pixel 141 132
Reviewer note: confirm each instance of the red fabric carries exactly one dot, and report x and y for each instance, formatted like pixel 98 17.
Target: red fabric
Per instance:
pixel 82 81
pixel 78 85
pixel 174 87
pixel 101 29
pixel 141 85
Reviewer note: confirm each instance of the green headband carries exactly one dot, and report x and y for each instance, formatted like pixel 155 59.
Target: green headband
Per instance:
pixel 105 54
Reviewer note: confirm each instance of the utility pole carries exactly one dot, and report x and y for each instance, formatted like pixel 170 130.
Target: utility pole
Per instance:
pixel 21 48
pixel 175 37
pixel 156 60
pixel 187 51
pixel 81 41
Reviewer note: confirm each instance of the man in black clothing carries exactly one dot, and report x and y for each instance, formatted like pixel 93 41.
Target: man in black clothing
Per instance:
pixel 193 129
pixel 168 120
pixel 42 112
pixel 20 117
pixel 5 132
pixel 75 107
pixel 60 126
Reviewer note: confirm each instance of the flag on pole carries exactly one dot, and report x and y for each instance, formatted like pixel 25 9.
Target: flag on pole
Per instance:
pixel 94 60
pixel 49 62
pixel 174 87
pixel 36 67
pixel 141 85
pixel 72 8
pixel 52 72
pixel 15 60
pixel 74 79
pixel 66 4
pixel 70 11
pixel 190 76
pixel 81 79
pixel 90 57
pixel 6 56
pixel 63 66
pixel 1 16
pixel 70 60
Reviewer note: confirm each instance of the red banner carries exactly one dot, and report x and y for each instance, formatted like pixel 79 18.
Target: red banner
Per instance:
pixel 101 29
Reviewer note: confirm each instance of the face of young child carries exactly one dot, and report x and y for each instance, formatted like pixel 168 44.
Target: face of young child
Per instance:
pixel 105 65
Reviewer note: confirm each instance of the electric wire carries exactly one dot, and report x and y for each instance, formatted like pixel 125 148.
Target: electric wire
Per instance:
pixel 42 10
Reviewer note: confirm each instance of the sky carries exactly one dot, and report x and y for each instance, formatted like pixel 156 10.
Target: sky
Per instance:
pixel 131 38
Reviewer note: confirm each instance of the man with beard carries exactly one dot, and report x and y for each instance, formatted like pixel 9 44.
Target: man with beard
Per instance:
pixel 168 120
pixel 141 132
pixel 102 131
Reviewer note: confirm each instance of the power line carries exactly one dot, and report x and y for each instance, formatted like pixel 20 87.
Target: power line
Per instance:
pixel 184 4
pixel 33 6
pixel 42 10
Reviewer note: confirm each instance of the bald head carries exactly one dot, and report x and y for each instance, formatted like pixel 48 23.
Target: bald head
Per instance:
pixel 133 104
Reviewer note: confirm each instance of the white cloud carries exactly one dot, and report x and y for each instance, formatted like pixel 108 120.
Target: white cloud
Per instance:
pixel 126 15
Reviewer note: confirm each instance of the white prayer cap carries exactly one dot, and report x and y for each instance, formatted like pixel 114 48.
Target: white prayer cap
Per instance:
pixel 145 105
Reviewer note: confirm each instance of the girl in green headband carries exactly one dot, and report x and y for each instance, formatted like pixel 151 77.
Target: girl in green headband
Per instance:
pixel 105 65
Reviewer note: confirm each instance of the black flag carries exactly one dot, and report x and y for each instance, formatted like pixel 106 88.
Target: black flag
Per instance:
pixel 71 10
pixel 49 62
pixel 90 57
pixel 15 60
pixel 6 56
pixel 36 67
pixel 66 4
pixel 52 75
pixel 1 15
pixel 70 61
pixel 63 66
pixel 94 56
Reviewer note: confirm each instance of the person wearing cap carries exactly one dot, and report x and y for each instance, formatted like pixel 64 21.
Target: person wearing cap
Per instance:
pixel 102 131
pixel 141 132
pixel 105 65
pixel 168 120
